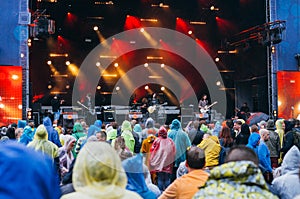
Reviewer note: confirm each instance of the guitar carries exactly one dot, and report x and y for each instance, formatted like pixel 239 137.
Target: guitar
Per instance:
pixel 151 109
pixel 91 111
pixel 206 108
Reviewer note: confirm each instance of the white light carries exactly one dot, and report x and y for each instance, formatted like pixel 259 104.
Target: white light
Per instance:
pixel 117 88
pixel 22 55
pixel 98 87
pixel 279 103
pixel 116 64
pixel 162 88
pixel 15 77
pixel 142 30
pixel 68 63
pixel 292 81
pixel 20 106
pixel 146 87
pixel 2 106
pixel 162 65
pixel 190 32
pixel 49 62
pixel 98 64
pixel 146 65
pixel 218 83
pixel 96 28
pixel 217 59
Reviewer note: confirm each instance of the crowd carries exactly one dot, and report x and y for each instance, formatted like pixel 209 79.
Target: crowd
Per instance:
pixel 146 160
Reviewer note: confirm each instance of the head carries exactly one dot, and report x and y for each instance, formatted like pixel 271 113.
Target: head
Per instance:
pixel 240 153
pixel 18 133
pixel 289 125
pixel 270 125
pixel 195 158
pixel 126 126
pixel 162 132
pixel 204 97
pixel 10 133
pixel 149 123
pixel 254 128
pixel 101 136
pixel 264 134
pixel 41 133
pixel 245 129
pixel 245 104
pixel 225 132
pixel 262 124
pixel 237 125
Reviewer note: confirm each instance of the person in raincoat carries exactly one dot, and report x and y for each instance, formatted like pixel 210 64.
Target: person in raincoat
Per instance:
pixel 98 173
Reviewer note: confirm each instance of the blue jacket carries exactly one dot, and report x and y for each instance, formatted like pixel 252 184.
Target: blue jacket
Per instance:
pixel 253 142
pixel 27 135
pixel 264 156
pixel 52 133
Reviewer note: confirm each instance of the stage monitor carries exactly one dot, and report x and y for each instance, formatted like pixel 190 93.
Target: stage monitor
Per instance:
pixel 288 94
pixel 10 94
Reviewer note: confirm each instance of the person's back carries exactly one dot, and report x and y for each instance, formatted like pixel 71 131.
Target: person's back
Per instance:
pixel 187 185
pixel 212 148
pixel 285 185
pixel 273 143
pixel 239 177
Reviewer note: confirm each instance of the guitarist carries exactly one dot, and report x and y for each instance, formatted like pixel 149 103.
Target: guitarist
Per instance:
pixel 203 103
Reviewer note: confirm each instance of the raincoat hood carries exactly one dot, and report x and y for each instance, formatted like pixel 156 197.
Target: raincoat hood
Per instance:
pixel 41 133
pixel 22 123
pixel 77 128
pixel 291 161
pixel 98 172
pixel 254 139
pixel 47 122
pixel 126 126
pixel 137 128
pixel 98 123
pixel 149 123
pixel 175 125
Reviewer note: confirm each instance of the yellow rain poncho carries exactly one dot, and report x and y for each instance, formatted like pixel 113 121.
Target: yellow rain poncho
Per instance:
pixel 40 142
pixel 98 173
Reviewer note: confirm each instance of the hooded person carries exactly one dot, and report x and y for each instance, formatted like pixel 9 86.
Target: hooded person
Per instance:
pixel 149 127
pixel 253 142
pixel 138 129
pixel 212 148
pixel 285 185
pixel 92 130
pixel 78 132
pixel 27 135
pixel 127 135
pixel 52 133
pixel 22 124
pixel 181 141
pixel 162 156
pixel 41 143
pixel 26 173
pixel 111 134
pixel 136 181
pixel 65 153
pixel 98 173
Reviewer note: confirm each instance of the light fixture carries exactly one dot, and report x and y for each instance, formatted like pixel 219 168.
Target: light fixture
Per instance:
pixel 98 64
pixel 49 62
pixel 162 88
pixel 146 65
pixel 116 64
pixel 146 87
pixel 217 59
pixel 117 88
pixel 190 32
pixel 96 28
pixel 68 63
pixel 162 65
pixel 142 29
pixel 98 87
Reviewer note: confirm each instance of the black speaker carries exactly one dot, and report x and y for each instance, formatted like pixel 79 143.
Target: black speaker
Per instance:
pixel 108 116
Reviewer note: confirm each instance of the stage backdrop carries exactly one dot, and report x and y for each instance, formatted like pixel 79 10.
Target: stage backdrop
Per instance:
pixel 288 94
pixel 10 94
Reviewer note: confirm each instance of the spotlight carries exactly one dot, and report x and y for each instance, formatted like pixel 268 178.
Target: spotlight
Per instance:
pixel 49 62
pixel 162 88
pixel 20 106
pixel 142 30
pixel 190 32
pixel 218 83
pixel 146 65
pixel 22 55
pixel 15 77
pixel 217 59
pixel 96 28
pixel 162 65
pixel 67 86
pixel 49 86
pixel 146 87
pixel 2 106
pixel 117 88
pixel 116 64
pixel 98 87
pixel 68 63
pixel 98 64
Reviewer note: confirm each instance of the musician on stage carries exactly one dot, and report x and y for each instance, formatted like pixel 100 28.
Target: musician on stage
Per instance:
pixel 56 103
pixel 203 103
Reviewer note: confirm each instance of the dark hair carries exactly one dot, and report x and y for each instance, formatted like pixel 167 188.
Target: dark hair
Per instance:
pixel 102 134
pixel 229 123
pixel 10 133
pixel 225 134
pixel 245 129
pixel 239 153
pixel 289 125
pixel 195 157
pixel 254 128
